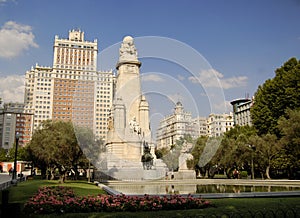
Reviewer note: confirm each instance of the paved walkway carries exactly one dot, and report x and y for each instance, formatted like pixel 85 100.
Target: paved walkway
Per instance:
pixel 5 181
pixel 4 177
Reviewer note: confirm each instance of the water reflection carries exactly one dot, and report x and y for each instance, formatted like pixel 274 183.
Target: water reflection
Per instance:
pixel 197 189
pixel 242 188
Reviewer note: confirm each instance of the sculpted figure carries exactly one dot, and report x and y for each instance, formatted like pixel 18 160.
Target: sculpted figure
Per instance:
pixel 134 126
pixel 128 51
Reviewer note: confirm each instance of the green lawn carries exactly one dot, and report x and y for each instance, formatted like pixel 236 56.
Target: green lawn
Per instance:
pixel 222 207
pixel 24 190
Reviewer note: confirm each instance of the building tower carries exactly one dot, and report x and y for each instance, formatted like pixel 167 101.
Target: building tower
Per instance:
pixel 75 64
pixel 72 89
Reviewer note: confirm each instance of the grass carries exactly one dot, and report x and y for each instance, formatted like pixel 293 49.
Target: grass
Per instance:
pixel 222 207
pixel 24 190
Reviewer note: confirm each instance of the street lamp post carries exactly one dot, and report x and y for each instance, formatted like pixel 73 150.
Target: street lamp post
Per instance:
pixel 14 176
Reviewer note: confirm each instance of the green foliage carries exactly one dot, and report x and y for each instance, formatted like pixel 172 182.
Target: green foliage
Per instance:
pixel 290 130
pixel 161 152
pixel 190 163
pixel 266 151
pixel 90 146
pixel 243 174
pixel 233 151
pixel 198 149
pixel 55 146
pixel 10 154
pixel 275 96
pixel 3 155
pixel 170 156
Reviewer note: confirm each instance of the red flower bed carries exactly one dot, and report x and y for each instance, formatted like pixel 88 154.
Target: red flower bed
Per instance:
pixel 59 199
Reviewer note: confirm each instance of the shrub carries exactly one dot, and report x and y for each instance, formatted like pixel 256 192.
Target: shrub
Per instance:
pixel 244 174
pixel 62 200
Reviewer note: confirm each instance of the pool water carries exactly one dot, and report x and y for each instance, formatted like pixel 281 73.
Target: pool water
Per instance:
pixel 198 189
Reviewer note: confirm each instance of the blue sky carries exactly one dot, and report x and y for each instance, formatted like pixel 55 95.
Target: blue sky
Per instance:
pixel 242 41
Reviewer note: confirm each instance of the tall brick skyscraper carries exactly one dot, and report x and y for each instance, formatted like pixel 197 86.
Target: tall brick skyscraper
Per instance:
pixel 72 89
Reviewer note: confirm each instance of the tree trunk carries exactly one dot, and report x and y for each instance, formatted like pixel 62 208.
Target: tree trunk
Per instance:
pixel 268 172
pixel 44 172
pixel 62 175
pixel 62 178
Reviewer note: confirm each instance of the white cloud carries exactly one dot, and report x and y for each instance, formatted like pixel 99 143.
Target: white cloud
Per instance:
pixel 15 38
pixel 175 97
pixel 223 107
pixel 212 78
pixel 12 88
pixel 181 78
pixel 152 78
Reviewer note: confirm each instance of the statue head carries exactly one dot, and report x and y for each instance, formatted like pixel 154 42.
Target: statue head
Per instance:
pixel 128 40
pixel 128 51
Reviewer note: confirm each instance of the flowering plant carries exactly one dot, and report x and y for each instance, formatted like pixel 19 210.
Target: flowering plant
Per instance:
pixel 59 199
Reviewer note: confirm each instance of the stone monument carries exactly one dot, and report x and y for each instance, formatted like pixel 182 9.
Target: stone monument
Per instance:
pixel 129 124
pixel 183 171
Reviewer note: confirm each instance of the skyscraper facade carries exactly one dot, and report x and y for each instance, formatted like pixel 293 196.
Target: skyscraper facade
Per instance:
pixel 72 89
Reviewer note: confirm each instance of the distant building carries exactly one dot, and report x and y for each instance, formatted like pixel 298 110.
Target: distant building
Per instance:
pixel 241 111
pixel 200 126
pixel 14 121
pixel 72 89
pixel 218 124
pixel 181 123
pixel 173 127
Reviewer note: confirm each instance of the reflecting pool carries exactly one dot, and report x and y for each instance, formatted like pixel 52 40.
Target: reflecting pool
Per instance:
pixel 198 188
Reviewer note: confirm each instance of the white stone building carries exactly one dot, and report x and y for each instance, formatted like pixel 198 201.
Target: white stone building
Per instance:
pixel 200 127
pixel 174 127
pixel 218 124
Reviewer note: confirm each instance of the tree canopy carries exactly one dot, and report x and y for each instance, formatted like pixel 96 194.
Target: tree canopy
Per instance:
pixel 275 96
pixel 55 147
pixel 289 127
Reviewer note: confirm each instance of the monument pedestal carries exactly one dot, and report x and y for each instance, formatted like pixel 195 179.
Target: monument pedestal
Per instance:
pixel 186 174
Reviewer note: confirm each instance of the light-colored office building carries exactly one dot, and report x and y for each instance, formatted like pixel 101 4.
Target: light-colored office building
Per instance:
pixel 199 126
pixel 181 123
pixel 218 124
pixel 72 89
pixel 38 99
pixel 241 111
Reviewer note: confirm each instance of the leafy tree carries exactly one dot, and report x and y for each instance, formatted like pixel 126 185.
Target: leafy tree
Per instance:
pixel 289 127
pixel 161 152
pixel 21 155
pixel 233 152
pixel 170 156
pixel 54 147
pixel 267 148
pixel 275 96
pixel 196 152
pixel 3 155
pixel 90 146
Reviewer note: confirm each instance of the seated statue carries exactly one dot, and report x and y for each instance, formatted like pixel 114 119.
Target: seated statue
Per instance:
pixel 147 157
